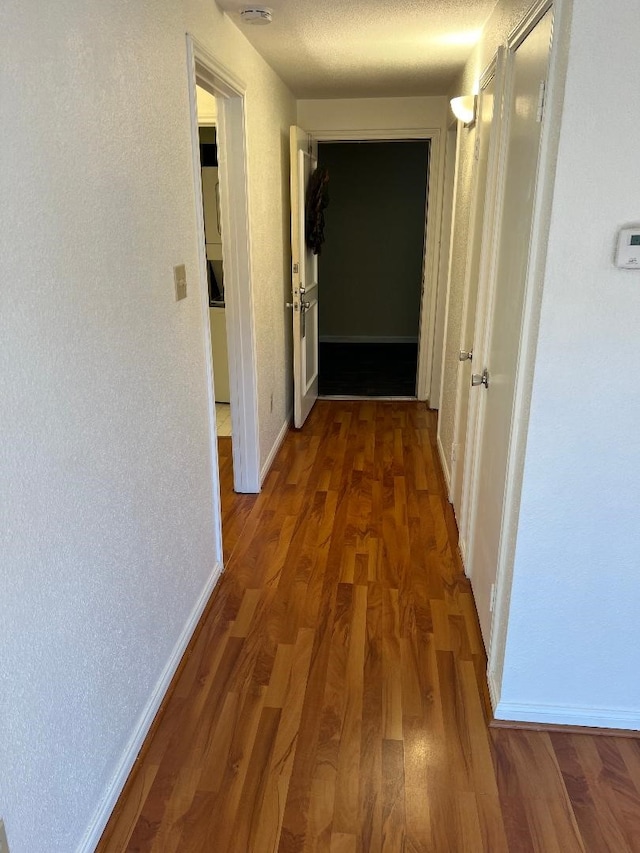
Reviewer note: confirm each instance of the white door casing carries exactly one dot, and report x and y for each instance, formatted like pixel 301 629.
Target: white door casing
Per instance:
pixel 211 75
pixel 430 280
pixel 304 280
pixel 484 121
pixel 444 262
pixel 500 348
pixel 481 246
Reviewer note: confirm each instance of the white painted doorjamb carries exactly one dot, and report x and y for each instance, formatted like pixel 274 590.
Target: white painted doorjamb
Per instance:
pixel 433 209
pixel 531 311
pixel 495 71
pixel 444 461
pixel 450 145
pixel 236 249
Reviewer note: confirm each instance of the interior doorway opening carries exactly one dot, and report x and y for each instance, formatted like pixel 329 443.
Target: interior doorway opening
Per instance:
pixel 208 138
pixel 371 267
pixel 225 269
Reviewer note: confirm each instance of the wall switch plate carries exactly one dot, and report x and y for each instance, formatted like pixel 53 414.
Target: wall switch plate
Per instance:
pixel 4 844
pixel 180 279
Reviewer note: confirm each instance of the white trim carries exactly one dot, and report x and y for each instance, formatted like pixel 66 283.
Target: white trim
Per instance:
pixel 480 219
pixel 462 548
pixel 368 339
pixel 277 444
pixel 454 204
pixel 487 261
pixel 140 731
pixel 567 715
pixel 204 307
pixel 531 317
pixel 433 215
pixel 444 262
pixel 494 691
pixel 445 469
pixel 236 249
pixel 522 29
pixel 372 135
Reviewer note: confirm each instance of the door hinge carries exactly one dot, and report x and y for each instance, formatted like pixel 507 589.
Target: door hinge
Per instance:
pixel 541 101
pixel 492 602
pixel 296 269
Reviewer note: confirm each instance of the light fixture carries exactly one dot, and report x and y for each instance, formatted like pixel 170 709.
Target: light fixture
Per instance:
pixel 464 109
pixel 259 15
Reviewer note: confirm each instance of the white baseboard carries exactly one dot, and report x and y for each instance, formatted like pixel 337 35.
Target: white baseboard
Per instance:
pixel 494 691
pixel 462 548
pixel 99 821
pixel 445 468
pixel 368 339
pixel 565 715
pixel 268 462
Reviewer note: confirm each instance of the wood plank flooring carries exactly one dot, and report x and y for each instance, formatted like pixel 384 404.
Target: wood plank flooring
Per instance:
pixel 335 698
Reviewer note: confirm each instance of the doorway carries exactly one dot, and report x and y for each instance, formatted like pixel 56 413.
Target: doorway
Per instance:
pixel 231 210
pixel 371 266
pixel 207 120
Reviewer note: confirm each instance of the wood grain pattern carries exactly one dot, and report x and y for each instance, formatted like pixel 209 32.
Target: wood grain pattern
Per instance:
pixel 333 699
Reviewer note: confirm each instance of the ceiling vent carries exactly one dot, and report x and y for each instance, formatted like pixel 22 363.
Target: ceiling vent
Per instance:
pixel 256 15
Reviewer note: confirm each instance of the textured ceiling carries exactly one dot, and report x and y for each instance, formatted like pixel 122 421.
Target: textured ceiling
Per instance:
pixel 366 48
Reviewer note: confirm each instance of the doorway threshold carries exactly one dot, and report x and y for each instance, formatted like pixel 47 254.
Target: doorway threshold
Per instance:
pixel 365 397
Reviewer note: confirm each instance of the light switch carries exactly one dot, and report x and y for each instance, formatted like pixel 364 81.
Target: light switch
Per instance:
pixel 180 279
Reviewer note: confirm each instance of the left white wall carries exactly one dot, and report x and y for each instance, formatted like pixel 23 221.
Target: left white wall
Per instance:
pixel 108 519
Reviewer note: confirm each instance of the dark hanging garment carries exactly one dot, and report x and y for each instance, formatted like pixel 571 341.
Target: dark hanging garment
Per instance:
pixel 315 203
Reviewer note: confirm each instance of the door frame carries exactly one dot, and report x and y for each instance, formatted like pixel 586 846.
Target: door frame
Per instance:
pixel 207 72
pixel 445 255
pixel 431 248
pixel 534 282
pixel 495 70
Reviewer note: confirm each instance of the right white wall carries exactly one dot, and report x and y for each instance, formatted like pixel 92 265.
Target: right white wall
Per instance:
pixel 573 641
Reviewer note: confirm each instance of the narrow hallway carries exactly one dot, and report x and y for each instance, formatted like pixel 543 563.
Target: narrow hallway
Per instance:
pixel 335 697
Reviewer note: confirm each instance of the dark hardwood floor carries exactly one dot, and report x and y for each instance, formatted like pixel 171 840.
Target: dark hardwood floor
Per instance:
pixel 334 698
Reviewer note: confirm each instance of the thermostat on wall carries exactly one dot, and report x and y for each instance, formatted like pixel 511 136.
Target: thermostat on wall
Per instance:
pixel 628 252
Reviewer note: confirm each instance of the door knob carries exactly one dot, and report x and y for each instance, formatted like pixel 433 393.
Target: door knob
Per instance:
pixel 477 379
pixel 305 305
pixel 463 355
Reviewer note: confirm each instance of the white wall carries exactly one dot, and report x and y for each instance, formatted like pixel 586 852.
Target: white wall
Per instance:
pixel 573 643
pixel 107 517
pixel 372 113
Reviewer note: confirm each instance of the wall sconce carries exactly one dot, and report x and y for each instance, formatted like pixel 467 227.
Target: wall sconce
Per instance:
pixel 464 109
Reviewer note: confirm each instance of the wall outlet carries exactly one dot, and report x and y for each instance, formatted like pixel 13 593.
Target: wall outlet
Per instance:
pixel 180 280
pixel 4 844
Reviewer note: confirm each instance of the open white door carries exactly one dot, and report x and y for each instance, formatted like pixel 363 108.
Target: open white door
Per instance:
pixel 304 287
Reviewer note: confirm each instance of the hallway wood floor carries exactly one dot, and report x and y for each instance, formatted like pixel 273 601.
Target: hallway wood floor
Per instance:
pixel 335 696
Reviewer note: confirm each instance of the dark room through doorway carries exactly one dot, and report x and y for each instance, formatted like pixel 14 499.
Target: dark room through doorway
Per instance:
pixel 371 267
